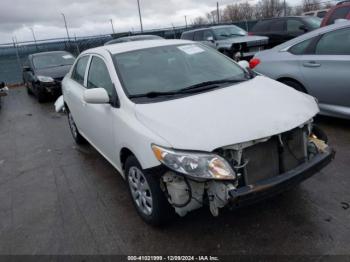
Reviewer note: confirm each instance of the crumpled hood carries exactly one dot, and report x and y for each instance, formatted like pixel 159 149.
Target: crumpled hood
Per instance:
pixel 244 39
pixel 239 113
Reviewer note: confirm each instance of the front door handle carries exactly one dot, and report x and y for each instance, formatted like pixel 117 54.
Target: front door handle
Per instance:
pixel 311 64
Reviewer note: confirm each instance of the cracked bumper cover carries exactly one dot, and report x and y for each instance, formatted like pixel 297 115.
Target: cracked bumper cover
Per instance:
pixel 272 186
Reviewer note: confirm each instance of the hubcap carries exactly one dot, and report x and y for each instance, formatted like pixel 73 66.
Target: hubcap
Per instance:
pixel 72 125
pixel 140 190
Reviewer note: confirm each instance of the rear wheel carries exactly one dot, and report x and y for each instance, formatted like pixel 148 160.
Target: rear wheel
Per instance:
pixel 297 86
pixel 78 138
pixel 147 196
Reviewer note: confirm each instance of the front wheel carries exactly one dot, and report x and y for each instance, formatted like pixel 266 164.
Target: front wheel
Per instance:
pixel 147 196
pixel 78 138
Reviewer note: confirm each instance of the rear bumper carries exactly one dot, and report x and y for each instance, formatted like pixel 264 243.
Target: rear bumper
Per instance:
pixel 272 186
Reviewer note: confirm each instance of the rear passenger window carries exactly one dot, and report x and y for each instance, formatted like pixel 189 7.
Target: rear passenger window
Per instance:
pixel 79 69
pixel 300 48
pixel 187 36
pixel 321 14
pixel 198 36
pixel 261 26
pixel 339 13
pixel 277 26
pixel 334 43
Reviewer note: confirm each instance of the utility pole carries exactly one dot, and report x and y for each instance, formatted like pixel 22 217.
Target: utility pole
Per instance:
pixel 218 11
pixel 138 4
pixel 186 20
pixel 36 44
pixel 65 24
pixel 112 26
pixel 285 8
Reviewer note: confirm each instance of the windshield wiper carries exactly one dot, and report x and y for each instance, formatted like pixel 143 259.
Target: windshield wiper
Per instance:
pixel 203 86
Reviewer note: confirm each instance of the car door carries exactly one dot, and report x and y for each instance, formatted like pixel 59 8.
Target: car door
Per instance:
pixel 99 119
pixel 73 91
pixel 326 70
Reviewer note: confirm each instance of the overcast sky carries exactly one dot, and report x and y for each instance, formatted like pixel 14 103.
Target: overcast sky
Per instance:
pixel 91 17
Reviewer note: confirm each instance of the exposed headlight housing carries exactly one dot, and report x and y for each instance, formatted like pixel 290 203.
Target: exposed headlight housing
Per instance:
pixel 45 79
pixel 195 165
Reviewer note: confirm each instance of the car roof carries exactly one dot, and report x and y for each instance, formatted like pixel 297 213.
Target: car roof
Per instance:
pixel 313 33
pixel 282 17
pixel 136 45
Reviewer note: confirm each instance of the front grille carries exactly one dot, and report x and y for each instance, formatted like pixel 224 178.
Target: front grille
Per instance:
pixel 267 159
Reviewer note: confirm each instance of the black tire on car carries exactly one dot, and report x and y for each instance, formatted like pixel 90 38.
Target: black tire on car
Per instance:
pixel 297 86
pixel 78 138
pixel 146 194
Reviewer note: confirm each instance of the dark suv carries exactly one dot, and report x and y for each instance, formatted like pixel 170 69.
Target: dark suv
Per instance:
pixel 282 29
pixel 340 11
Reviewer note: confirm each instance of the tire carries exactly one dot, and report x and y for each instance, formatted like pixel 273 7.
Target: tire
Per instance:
pixel 78 138
pixel 297 86
pixel 146 194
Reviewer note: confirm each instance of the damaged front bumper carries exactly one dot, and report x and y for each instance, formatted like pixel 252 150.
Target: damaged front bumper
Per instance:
pixel 272 186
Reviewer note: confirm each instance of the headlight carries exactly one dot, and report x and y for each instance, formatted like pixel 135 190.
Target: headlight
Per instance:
pixel 45 79
pixel 197 165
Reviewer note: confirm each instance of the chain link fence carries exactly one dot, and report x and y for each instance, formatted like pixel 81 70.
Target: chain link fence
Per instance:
pixel 13 55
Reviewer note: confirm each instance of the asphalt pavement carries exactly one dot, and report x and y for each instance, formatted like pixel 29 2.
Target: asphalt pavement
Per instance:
pixel 60 198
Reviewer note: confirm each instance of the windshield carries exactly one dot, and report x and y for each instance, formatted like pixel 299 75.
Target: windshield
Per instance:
pixel 228 31
pixel 52 60
pixel 172 68
pixel 313 21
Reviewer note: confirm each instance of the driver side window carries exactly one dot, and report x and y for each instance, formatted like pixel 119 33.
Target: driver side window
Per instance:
pixel 99 76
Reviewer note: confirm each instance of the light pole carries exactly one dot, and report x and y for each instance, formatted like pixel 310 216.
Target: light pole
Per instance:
pixel 112 26
pixel 186 20
pixel 65 24
pixel 138 4
pixel 36 44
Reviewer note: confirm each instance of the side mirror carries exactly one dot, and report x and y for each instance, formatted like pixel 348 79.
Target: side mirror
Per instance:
pixel 303 28
pixel 26 69
pixel 210 39
pixel 96 96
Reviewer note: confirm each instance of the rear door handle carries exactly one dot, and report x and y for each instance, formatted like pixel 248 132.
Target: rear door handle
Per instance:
pixel 311 64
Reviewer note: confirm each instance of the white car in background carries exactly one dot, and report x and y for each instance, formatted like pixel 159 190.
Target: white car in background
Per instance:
pixel 187 127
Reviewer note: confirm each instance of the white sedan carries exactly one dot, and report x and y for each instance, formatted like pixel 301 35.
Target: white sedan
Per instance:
pixel 187 127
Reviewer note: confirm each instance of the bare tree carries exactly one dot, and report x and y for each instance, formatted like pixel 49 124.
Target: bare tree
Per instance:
pixel 199 21
pixel 238 12
pixel 311 5
pixel 270 8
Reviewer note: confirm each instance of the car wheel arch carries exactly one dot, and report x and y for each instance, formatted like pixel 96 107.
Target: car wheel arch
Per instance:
pixel 123 156
pixel 286 79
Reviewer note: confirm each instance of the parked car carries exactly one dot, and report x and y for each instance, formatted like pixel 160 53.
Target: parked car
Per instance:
pixel 340 11
pixel 282 29
pixel 188 127
pixel 319 13
pixel 43 73
pixel 316 63
pixel 133 38
pixel 230 40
